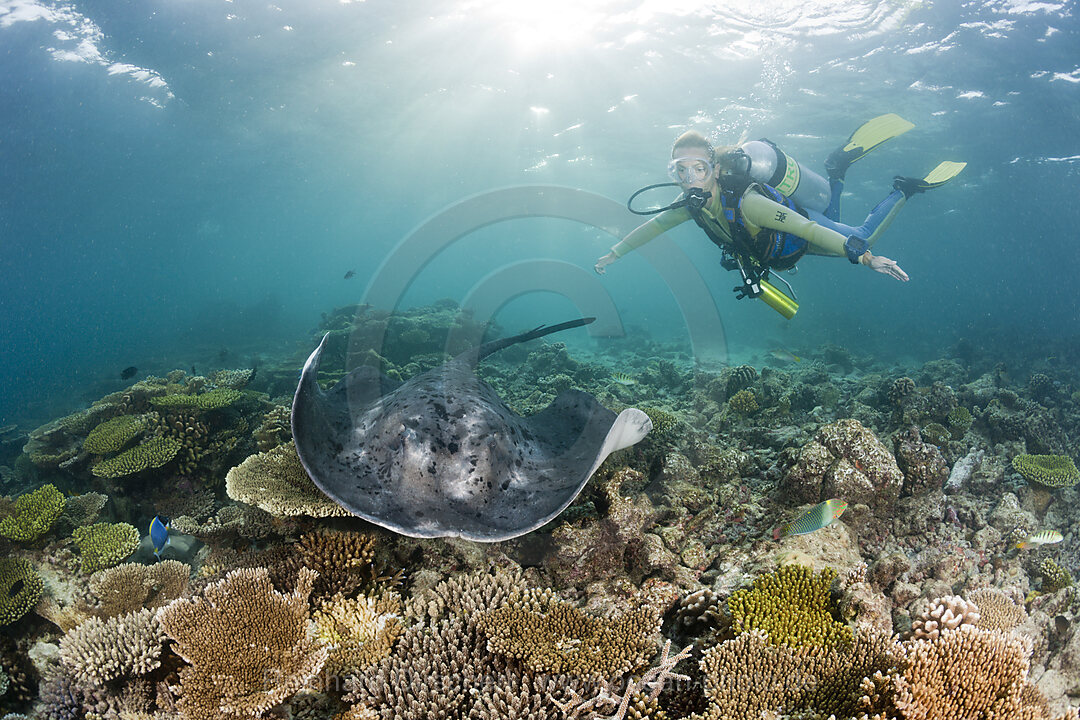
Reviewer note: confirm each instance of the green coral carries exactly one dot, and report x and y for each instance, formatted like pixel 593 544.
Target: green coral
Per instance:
pixel 112 435
pixel 959 419
pixel 792 606
pixel 663 424
pixel 35 513
pixel 1055 577
pixel 213 400
pixel 104 545
pixel 1050 470
pixel 936 434
pixel 743 403
pixel 20 588
pixel 153 453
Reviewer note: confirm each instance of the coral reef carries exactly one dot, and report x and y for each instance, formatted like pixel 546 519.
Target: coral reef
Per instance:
pixel 945 613
pixel 791 607
pixel 103 545
pixel 359 631
pixel 248 647
pixel 112 435
pixel 921 463
pixel 34 514
pixel 152 453
pixel 1053 471
pixel 275 481
pixel 1055 577
pixel 743 403
pixel 99 651
pixel 129 587
pixel 20 588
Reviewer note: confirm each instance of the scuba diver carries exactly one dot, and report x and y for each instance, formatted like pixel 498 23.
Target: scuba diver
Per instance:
pixel 765 211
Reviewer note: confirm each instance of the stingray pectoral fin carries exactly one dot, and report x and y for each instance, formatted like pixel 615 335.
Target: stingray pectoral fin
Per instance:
pixel 629 428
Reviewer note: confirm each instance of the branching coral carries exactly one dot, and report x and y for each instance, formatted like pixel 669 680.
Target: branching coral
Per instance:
pixel 1050 470
pixel 248 646
pixel 20 588
pixel 104 545
pixel 34 514
pixel 791 606
pixel 130 587
pixel 98 651
pixel 996 610
pixel 276 482
pixel 152 453
pixel 213 400
pixel 551 636
pixel 359 631
pixel 967 673
pixel 1055 577
pixel 344 561
pixel 743 403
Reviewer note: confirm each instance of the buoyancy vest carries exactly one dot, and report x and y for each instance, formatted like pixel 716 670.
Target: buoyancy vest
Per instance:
pixel 769 249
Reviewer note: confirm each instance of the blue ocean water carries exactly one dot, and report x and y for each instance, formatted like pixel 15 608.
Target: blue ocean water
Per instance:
pixel 182 180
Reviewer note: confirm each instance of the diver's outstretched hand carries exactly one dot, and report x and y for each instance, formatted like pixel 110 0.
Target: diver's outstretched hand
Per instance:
pixel 882 264
pixel 604 262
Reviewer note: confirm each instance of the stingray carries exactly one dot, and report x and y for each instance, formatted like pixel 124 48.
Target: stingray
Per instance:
pixel 441 455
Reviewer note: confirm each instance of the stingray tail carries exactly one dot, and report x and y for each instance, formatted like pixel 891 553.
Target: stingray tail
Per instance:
pixel 496 345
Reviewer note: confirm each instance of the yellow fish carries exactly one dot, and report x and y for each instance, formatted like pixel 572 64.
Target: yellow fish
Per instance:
pixel 623 378
pixel 1046 537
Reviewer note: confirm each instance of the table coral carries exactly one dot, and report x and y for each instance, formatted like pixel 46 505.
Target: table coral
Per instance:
pixel 34 514
pixel 152 453
pixel 20 588
pixel 1053 471
pixel 556 637
pixel 112 435
pixel 276 482
pixel 249 646
pixel 213 400
pixel 792 606
pixel 359 631
pixel 130 587
pixel 103 545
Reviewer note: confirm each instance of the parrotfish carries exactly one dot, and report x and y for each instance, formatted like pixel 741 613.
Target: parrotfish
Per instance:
pixel 159 534
pixel 1046 537
pixel 623 378
pixel 813 519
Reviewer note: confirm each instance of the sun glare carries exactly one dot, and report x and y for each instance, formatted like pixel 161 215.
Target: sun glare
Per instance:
pixel 533 26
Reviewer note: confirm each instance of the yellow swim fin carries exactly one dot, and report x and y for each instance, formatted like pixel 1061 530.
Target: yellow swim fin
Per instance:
pixel 943 173
pixel 876 131
pixel 868 136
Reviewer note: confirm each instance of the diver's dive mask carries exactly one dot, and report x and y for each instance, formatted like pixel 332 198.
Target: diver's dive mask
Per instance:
pixel 689 170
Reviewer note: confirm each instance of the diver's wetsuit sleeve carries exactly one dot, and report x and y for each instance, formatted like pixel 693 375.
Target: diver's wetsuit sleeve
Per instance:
pixel 650 230
pixel 762 212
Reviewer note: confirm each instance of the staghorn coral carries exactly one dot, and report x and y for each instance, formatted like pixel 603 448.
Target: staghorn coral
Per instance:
pixel 997 611
pixel 743 403
pixel 1053 471
pixel 98 651
pixel 130 587
pixel 248 646
pixel 104 545
pixel 965 674
pixel 791 606
pixel 34 514
pixel 152 453
pixel 112 435
pixel 945 613
pixel 20 588
pixel 344 561
pixel 359 631
pixel 1055 577
pixel 275 481
pixel 550 636
pixel 749 677
pixel 466 595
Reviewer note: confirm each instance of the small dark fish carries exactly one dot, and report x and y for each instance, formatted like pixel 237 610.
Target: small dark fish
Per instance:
pixel 349 274
pixel 128 372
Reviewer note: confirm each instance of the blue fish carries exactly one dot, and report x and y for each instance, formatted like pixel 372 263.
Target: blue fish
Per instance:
pixel 159 534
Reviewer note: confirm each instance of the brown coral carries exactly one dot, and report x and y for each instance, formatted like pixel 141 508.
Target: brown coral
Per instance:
pixel 359 631
pixel 98 651
pixel 248 646
pixel 997 611
pixel 276 482
pixel 131 586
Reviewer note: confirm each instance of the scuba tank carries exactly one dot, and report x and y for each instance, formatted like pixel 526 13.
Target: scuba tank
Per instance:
pixel 770 165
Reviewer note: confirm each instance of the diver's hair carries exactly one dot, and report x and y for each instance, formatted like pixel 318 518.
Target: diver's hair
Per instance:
pixel 692 138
